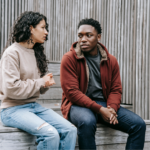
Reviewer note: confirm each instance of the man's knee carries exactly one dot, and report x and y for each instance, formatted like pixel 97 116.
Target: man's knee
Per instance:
pixel 88 122
pixel 139 126
pixel 142 125
pixel 87 127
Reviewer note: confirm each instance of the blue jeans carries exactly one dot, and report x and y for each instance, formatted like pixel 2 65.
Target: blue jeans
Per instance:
pixel 53 131
pixel 85 120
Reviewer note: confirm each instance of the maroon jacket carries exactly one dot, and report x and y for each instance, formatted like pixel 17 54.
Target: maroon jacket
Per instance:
pixel 74 76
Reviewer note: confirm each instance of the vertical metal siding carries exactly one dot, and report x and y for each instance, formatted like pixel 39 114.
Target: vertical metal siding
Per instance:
pixel 125 33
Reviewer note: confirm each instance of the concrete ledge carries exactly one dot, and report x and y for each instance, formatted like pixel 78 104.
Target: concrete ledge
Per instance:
pixel 106 138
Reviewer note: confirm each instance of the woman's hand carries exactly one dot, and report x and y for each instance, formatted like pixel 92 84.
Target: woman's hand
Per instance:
pixel 49 81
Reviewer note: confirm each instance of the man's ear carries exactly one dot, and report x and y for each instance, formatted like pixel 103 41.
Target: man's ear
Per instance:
pixel 99 37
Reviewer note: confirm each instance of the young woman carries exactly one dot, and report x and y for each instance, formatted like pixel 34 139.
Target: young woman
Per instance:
pixel 22 78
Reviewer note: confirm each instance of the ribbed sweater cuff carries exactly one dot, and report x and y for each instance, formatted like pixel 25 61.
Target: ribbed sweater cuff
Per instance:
pixel 41 82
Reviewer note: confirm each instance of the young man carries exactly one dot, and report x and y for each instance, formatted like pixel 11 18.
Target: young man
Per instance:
pixel 92 90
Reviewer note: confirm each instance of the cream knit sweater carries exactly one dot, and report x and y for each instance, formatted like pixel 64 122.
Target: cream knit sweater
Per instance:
pixel 20 81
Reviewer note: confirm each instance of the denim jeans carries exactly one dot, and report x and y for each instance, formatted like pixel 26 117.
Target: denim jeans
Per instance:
pixel 53 131
pixel 86 120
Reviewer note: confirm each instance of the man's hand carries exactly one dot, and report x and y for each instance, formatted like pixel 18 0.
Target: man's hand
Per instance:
pixel 113 118
pixel 105 113
pixel 109 115
pixel 49 81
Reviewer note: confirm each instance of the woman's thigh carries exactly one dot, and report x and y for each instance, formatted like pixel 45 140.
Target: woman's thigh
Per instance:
pixel 23 118
pixel 54 119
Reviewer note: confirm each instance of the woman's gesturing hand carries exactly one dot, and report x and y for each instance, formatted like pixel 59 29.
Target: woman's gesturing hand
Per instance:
pixel 49 80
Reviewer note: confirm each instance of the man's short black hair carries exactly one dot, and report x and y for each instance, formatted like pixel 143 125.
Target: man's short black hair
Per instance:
pixel 91 22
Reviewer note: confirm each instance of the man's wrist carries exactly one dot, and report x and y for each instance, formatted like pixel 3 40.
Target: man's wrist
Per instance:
pixel 101 110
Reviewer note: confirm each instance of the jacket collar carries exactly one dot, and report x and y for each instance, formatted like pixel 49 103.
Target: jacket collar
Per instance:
pixel 79 54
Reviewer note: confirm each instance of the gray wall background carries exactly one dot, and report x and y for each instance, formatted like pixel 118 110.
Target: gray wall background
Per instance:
pixel 125 32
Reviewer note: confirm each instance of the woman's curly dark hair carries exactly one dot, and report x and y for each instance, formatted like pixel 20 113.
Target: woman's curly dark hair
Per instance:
pixel 21 33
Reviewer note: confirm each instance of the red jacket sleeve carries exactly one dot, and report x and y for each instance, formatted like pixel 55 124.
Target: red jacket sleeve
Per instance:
pixel 114 98
pixel 70 85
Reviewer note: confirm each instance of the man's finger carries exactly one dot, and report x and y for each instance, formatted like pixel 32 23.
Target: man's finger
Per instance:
pixel 115 121
pixel 111 117
pixel 112 120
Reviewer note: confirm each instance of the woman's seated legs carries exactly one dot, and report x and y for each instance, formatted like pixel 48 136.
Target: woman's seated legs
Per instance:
pixel 37 120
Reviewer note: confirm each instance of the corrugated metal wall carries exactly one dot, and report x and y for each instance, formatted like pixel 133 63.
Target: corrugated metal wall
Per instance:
pixel 126 34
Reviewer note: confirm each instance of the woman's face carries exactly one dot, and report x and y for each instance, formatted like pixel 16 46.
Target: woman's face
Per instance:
pixel 39 33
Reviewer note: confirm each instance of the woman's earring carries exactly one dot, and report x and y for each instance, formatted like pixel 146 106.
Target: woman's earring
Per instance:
pixel 30 40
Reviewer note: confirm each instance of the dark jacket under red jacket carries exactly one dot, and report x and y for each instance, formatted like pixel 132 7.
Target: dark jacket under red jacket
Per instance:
pixel 74 77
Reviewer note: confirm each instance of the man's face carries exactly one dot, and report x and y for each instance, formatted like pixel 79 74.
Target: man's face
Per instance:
pixel 88 38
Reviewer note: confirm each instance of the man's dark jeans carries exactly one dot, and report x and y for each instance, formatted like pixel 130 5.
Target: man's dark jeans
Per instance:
pixel 85 120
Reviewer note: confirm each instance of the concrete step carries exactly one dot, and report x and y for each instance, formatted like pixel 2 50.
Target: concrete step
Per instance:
pixel 106 139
